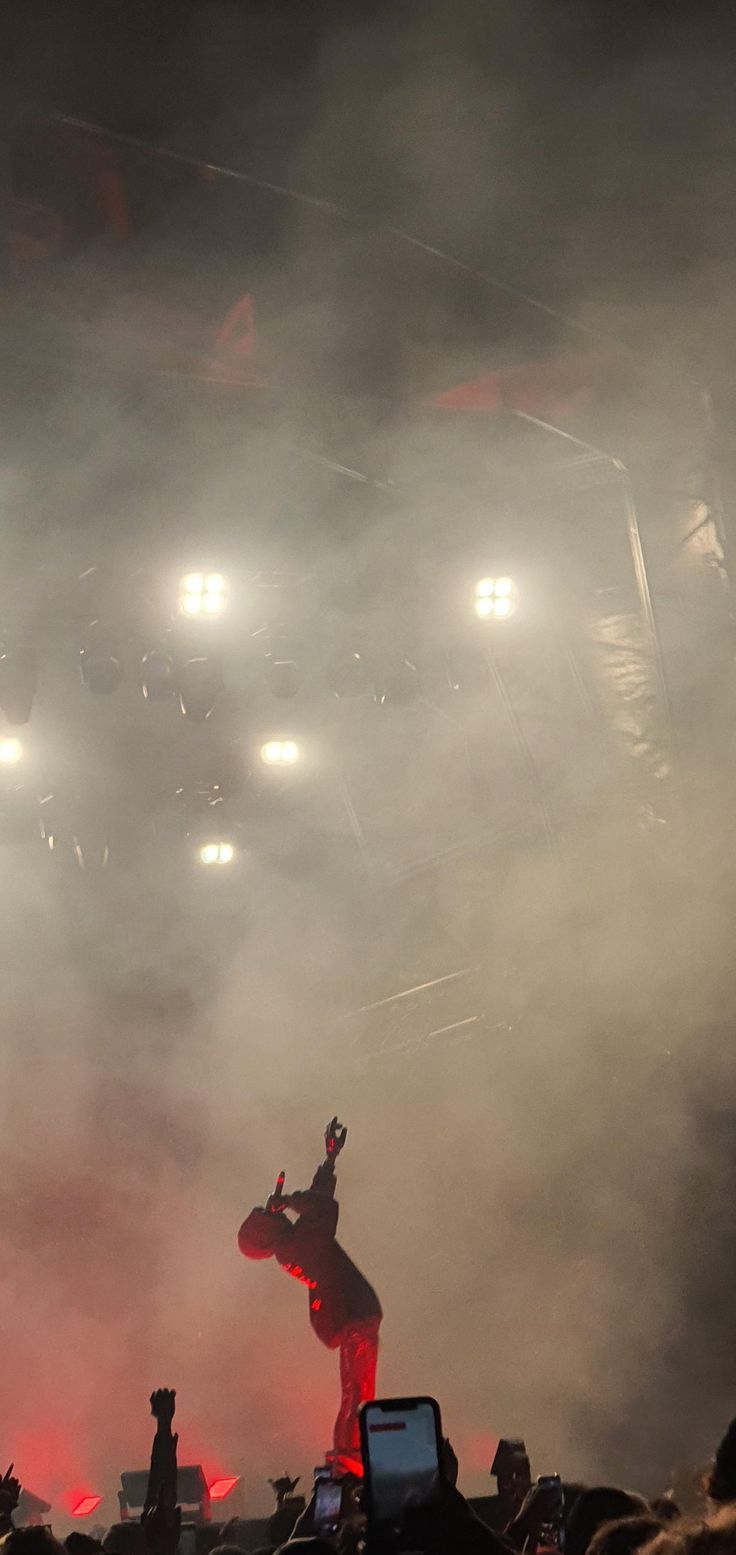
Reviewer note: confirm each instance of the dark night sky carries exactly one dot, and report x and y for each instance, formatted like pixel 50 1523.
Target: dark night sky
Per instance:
pixel 586 150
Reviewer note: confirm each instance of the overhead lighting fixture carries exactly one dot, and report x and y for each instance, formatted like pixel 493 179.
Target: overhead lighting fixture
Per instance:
pixel 99 662
pixel 399 684
pixel 495 598
pixel 220 1488
pixel 86 1506
pixel 158 676
pixel 200 686
pixel 11 752
pixel 202 594
pixel 280 753
pixel 216 853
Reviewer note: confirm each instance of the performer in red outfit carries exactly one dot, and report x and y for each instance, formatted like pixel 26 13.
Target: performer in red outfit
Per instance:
pixel 344 1310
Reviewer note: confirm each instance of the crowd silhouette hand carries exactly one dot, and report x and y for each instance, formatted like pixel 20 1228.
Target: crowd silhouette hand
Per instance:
pixel 163 1406
pixel 9 1493
pixel 335 1136
pixel 284 1486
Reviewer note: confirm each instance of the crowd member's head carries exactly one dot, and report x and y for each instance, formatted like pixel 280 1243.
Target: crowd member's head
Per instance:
pixel 665 1509
pixel 226 1549
pixel 595 1506
pixel 31 1541
pixel 626 1535
pixel 236 1534
pixel 307 1547
pixel 125 1539
pixel 81 1544
pixel 698 1536
pixel 512 1471
pixel 722 1479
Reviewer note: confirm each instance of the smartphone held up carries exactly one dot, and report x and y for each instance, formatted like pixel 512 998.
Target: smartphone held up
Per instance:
pixel 401 1440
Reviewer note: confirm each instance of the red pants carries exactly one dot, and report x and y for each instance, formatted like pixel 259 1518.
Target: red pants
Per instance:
pixel 358 1361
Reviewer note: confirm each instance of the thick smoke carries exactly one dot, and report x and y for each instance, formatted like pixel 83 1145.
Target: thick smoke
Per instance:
pixel 540 1192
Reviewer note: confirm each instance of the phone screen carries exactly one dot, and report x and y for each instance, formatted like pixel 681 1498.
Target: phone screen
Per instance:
pixel 401 1448
pixel 327 1505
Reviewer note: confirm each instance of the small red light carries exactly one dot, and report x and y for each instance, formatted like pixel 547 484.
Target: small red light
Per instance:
pixel 220 1488
pixel 86 1506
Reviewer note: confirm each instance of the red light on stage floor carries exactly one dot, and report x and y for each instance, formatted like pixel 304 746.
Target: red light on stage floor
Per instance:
pixel 220 1488
pixel 86 1506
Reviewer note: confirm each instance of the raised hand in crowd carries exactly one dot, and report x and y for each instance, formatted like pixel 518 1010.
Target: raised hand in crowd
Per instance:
pixel 541 1507
pixel 449 1524
pixel 9 1497
pixel 161 1525
pixel 161 1520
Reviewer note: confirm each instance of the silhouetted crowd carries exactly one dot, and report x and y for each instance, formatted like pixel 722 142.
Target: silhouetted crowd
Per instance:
pixel 524 1517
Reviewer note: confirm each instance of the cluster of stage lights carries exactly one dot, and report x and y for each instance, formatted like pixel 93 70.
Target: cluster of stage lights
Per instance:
pixel 202 594
pixel 495 598
pixel 216 853
pixel 280 753
pixel 219 1490
pixel 274 753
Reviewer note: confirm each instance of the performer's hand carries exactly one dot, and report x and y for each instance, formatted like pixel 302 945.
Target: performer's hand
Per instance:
pixel 276 1201
pixel 335 1136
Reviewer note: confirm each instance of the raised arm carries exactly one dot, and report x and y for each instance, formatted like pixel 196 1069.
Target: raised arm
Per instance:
pixel 316 1204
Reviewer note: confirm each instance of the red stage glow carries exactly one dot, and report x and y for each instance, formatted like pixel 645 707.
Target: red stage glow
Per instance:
pixel 220 1488
pixel 86 1506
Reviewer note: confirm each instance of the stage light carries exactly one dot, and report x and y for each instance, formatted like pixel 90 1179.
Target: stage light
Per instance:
pixel 349 676
pixel 280 753
pixel 11 752
pixel 158 676
pixel 220 1488
pixel 17 682
pixel 86 1506
pixel 400 684
pixel 495 598
pixel 100 667
pixel 216 853
pixel 202 594
pixel 200 685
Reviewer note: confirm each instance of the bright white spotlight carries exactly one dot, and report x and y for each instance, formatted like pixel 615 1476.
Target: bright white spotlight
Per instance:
pixel 495 597
pixel 280 753
pixel 201 594
pixel 217 853
pixel 11 752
